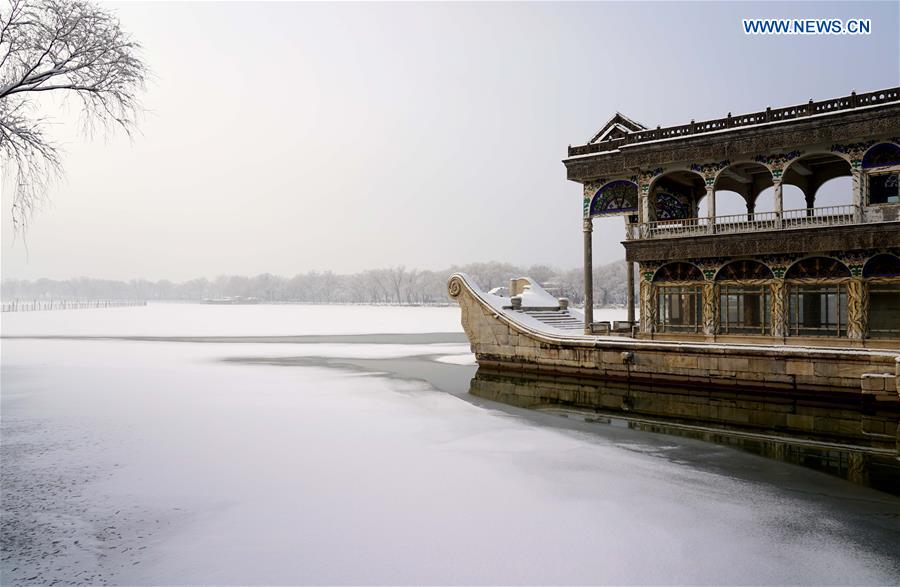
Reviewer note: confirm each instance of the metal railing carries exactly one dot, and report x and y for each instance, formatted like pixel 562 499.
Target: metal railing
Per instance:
pixel 810 108
pixel 755 222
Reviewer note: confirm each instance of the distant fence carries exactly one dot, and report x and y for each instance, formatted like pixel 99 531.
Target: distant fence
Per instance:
pixel 35 305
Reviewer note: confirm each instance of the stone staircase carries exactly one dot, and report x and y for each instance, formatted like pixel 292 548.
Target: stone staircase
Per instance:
pixel 560 319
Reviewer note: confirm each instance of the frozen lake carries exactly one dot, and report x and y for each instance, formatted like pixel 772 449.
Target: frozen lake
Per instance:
pixel 362 459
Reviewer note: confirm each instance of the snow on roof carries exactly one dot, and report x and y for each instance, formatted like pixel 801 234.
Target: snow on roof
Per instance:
pixel 618 122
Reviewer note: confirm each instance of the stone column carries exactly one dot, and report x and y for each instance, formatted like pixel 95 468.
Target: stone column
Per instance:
pixel 711 208
pixel 643 212
pixel 779 319
pixel 857 309
pixel 779 205
pixel 629 292
pixel 856 174
pixel 587 229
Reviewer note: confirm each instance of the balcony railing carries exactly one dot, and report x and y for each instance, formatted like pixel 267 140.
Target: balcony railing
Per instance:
pixel 741 223
pixel 810 108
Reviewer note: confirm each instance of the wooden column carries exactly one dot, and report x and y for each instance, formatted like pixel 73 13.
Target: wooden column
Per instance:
pixel 587 230
pixel 779 318
pixel 857 309
pixel 710 308
pixel 648 307
pixel 629 295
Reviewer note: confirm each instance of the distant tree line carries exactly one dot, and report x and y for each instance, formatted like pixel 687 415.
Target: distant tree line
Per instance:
pixel 396 285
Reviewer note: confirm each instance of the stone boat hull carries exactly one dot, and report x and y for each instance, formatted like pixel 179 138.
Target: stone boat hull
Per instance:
pixel 507 340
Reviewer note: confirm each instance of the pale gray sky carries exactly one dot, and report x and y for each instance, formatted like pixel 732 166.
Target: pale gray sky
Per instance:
pixel 287 137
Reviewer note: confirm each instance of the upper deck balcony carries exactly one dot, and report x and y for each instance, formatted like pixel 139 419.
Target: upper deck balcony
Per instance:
pixel 744 223
pixel 771 164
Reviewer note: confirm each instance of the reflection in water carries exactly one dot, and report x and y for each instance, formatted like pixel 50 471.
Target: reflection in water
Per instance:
pixel 855 438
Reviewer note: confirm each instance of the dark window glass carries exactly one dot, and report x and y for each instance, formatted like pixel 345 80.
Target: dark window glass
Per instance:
pixel 679 309
pixel 817 310
pixel 884 310
pixel 744 309
pixel 883 188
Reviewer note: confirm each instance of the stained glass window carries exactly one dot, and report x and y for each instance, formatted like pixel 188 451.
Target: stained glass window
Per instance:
pixel 678 272
pixel 616 197
pixel 671 207
pixel 883 155
pixel 882 266
pixel 818 268
pixel 738 270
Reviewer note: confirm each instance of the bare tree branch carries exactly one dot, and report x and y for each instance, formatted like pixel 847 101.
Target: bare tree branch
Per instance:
pixel 71 47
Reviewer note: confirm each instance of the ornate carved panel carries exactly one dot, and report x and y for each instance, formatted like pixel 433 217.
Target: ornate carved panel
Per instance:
pixel 857 308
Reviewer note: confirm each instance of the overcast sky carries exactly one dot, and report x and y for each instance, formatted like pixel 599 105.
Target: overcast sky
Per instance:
pixel 288 137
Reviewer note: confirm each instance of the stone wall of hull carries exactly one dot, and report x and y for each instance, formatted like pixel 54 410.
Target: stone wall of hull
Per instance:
pixel 500 343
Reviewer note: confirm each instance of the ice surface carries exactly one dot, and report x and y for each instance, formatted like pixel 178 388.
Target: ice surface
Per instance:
pixel 159 463
pixel 163 319
pixel 460 359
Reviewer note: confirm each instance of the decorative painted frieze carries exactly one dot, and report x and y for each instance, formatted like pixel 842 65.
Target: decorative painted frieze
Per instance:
pixel 645 178
pixel 778 263
pixel 591 188
pixel 709 171
pixel 776 163
pixel 854 151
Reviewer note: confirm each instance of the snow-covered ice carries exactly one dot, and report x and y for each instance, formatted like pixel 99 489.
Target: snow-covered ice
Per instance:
pixel 133 462
pixel 170 319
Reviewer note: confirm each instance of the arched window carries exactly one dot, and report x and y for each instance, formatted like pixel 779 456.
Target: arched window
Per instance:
pixel 674 198
pixel 678 272
pixel 882 166
pixel 883 265
pixel 616 197
pixel 883 274
pixel 817 268
pixel 745 298
pixel 882 155
pixel 679 297
pixel 817 297
pixel 742 270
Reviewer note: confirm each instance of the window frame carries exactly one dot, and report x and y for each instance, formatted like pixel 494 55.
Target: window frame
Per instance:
pixel 740 291
pixel 880 285
pixel 879 171
pixel 794 327
pixel 664 293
